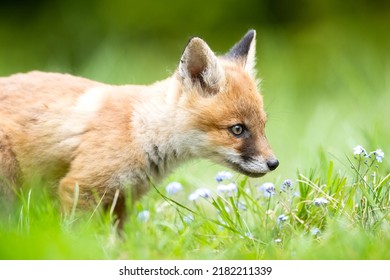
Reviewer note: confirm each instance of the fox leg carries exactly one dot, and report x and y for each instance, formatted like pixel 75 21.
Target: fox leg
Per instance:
pixel 9 169
pixel 79 193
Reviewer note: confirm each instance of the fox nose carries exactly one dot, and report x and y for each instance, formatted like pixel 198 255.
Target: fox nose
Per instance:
pixel 272 164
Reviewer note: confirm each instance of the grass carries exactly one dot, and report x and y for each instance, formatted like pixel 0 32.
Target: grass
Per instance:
pixel 326 91
pixel 337 216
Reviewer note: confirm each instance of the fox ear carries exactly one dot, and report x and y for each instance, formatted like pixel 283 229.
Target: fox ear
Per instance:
pixel 245 52
pixel 199 66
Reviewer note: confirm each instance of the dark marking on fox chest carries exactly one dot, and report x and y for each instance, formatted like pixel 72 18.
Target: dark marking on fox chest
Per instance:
pixel 157 161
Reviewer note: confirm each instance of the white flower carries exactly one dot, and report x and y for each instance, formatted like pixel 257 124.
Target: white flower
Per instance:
pixel 282 218
pixel 241 206
pixel 223 175
pixel 358 150
pixel 193 196
pixel 320 201
pixel 249 235
pixel 296 194
pixel 278 240
pixel 204 192
pixel 188 219
pixel 379 155
pixel 228 189
pixel 201 192
pixel 286 185
pixel 315 231
pixel 268 189
pixel 173 187
pixel 144 215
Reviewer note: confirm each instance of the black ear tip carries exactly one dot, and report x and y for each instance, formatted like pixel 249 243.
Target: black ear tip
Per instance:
pixel 250 34
pixel 241 49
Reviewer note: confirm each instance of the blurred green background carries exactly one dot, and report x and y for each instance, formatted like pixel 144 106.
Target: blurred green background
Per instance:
pixel 324 65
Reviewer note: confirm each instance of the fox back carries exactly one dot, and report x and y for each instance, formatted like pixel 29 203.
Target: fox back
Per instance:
pixel 99 141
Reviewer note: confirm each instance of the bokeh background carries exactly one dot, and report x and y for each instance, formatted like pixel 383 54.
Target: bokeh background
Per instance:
pixel 324 65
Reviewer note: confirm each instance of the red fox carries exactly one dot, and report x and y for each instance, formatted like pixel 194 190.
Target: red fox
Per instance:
pixel 98 140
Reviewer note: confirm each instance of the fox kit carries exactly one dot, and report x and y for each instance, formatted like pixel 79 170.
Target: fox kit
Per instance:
pixel 96 141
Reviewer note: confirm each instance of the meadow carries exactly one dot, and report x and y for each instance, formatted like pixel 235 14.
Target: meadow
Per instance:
pixel 326 88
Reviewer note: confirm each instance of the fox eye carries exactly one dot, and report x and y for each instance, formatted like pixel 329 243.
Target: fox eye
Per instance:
pixel 237 130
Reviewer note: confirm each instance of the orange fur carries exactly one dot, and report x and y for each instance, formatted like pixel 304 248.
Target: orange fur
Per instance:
pixel 101 140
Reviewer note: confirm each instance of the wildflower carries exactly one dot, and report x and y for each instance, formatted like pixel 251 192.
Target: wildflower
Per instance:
pixel 173 187
pixel 358 150
pixel 249 235
pixel 282 218
pixel 320 201
pixel 193 196
pixel 144 215
pixel 222 225
pixel 379 155
pixel 278 240
pixel 287 184
pixel 315 231
pixel 241 206
pixel 223 175
pixel 201 192
pixel 204 192
pixel 268 189
pixel 188 219
pixel 227 189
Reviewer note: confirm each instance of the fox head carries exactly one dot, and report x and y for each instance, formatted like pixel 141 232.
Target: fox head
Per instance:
pixel 221 94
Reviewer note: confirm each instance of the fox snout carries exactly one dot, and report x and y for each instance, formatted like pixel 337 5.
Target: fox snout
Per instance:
pixel 272 164
pixel 252 166
pixel 259 166
pixel 255 155
pixel 250 153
